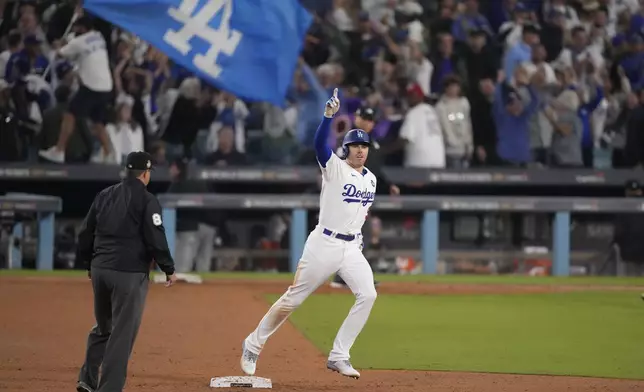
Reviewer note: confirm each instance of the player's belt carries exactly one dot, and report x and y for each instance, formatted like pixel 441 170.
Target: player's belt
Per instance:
pixel 344 237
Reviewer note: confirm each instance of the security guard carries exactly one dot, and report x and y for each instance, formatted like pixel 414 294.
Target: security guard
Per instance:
pixel 365 119
pixel 120 237
pixel 627 238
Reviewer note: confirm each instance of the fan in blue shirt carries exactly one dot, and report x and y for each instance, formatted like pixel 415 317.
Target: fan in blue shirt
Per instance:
pixel 32 55
pixel 633 63
pixel 511 117
pixel 585 112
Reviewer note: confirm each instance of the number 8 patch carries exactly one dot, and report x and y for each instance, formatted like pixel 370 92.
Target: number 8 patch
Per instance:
pixel 156 219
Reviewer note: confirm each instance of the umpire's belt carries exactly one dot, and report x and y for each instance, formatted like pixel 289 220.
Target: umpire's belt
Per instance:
pixel 344 237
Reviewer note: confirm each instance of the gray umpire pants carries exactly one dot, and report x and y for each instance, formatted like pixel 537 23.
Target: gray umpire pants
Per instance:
pixel 119 300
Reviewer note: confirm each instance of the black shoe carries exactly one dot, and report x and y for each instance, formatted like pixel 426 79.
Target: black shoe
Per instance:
pixel 83 387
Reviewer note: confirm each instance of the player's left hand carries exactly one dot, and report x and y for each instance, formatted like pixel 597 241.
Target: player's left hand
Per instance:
pixel 332 105
pixel 394 190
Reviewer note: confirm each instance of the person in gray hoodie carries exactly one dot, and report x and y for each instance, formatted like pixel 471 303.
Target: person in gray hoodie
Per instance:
pixel 453 112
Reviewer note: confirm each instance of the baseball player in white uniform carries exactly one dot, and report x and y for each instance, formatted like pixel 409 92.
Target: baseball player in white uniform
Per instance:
pixel 334 246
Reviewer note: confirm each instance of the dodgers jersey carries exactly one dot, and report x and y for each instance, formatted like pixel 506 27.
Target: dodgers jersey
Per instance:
pixel 346 194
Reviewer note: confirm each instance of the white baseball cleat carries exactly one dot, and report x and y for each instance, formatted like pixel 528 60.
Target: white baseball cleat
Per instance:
pixel 248 361
pixel 343 367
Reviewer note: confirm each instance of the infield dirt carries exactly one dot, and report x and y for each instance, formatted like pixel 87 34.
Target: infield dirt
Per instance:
pixel 191 333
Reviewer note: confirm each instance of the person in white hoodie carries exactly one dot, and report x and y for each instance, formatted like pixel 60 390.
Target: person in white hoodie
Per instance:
pixel 125 134
pixel 453 112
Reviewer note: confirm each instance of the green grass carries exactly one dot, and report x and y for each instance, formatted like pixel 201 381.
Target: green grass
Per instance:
pixel 515 279
pixel 448 279
pixel 585 334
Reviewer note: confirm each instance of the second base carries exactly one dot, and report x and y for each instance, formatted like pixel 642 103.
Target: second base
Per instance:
pixel 240 382
pixel 187 278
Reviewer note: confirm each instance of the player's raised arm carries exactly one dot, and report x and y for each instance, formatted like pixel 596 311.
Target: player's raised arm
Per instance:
pixel 322 149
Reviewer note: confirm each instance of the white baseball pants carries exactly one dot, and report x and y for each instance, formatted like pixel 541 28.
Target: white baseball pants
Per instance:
pixel 324 256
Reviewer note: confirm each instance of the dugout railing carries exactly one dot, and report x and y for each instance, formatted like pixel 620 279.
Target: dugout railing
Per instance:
pixel 44 208
pixel 15 209
pixel 430 207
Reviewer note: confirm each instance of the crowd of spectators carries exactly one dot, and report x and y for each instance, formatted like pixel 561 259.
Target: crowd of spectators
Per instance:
pixel 453 83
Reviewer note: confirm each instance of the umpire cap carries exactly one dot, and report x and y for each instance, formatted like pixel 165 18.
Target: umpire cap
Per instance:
pixel 138 160
pixel 354 136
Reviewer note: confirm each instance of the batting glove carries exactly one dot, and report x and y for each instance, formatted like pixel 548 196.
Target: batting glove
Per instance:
pixel 332 105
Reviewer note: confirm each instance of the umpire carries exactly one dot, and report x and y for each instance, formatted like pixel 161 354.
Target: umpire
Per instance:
pixel 120 237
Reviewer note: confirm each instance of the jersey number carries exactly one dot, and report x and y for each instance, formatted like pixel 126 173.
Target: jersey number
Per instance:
pixel 156 219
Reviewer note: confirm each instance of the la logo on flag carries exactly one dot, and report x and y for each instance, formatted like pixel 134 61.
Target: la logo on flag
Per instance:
pixel 197 24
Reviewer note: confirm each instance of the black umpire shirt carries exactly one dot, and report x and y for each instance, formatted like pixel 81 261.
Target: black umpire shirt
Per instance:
pixel 123 231
pixel 375 162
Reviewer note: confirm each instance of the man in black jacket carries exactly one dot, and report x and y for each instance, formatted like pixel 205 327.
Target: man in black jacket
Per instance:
pixel 365 120
pixel 627 237
pixel 195 228
pixel 120 237
pixel 634 150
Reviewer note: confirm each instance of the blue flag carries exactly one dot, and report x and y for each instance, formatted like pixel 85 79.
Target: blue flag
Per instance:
pixel 246 47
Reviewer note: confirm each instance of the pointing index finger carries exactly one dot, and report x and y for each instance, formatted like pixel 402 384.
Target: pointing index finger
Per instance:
pixel 335 93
